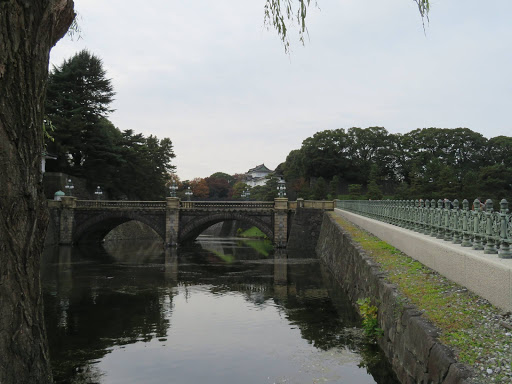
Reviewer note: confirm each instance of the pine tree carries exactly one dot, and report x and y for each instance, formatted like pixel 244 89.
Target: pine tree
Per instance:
pixel 78 98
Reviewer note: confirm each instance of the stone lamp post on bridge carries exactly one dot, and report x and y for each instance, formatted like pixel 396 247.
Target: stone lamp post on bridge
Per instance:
pixel 69 187
pixel 188 193
pixel 98 192
pixel 246 194
pixel 173 188
pixel 281 188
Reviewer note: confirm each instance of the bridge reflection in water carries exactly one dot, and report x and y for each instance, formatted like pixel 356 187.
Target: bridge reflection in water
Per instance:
pixel 218 312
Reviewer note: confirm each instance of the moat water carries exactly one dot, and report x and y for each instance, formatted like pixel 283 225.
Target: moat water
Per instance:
pixel 222 311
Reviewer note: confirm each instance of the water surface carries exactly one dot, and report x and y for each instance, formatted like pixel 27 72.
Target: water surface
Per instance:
pixel 222 311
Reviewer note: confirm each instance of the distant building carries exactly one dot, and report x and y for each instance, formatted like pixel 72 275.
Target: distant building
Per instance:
pixel 257 176
pixel 46 156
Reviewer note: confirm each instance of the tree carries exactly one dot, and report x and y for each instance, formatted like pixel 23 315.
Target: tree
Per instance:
pixel 355 191
pixel 221 175
pixel 238 189
pixel 145 168
pixel 326 154
pixel 320 189
pixel 374 191
pixel 495 182
pixel 200 188
pixel 333 186
pixel 402 192
pixel 78 98
pixel 448 183
pixel 500 150
pixel 366 147
pixel 219 188
pixel 28 31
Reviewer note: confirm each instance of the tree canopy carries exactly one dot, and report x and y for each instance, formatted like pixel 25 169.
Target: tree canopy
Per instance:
pixel 437 162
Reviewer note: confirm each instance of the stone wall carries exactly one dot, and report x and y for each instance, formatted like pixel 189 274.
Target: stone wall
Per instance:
pixel 410 342
pixel 305 229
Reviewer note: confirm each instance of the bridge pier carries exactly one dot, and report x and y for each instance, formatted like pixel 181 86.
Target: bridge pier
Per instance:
pixel 67 218
pixel 280 222
pixel 172 221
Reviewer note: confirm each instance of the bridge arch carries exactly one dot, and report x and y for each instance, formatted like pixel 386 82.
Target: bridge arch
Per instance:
pixel 95 228
pixel 195 227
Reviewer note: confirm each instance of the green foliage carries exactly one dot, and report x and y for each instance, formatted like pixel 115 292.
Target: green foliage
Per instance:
pixel 78 98
pixel 320 189
pixel 369 314
pixel 402 192
pixel 355 191
pixel 238 189
pixel 334 185
pixel 423 163
pixel 423 7
pixel 279 13
pixel 221 175
pixel 48 128
pixel 496 182
pixel 267 192
pixel 374 192
pixel 253 233
pixel 219 187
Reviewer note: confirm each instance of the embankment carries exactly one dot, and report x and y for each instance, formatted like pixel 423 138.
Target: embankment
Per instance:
pixel 409 341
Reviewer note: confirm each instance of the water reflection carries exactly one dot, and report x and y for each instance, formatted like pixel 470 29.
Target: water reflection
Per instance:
pixel 222 311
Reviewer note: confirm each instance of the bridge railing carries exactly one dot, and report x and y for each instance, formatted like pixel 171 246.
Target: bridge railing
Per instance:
pixel 101 204
pixel 227 204
pixel 479 227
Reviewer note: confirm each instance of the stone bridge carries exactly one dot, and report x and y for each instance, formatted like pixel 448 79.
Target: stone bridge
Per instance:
pixel 174 220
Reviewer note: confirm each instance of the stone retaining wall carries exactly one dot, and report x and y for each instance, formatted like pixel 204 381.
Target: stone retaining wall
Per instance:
pixel 305 229
pixel 410 342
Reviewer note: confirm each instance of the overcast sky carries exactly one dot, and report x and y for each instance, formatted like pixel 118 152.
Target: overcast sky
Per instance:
pixel 209 75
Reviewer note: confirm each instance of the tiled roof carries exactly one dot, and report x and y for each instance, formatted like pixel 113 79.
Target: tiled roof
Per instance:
pixel 259 168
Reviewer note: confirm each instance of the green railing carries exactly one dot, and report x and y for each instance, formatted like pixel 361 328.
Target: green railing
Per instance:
pixel 478 226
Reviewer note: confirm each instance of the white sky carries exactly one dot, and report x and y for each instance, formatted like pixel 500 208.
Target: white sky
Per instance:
pixel 208 74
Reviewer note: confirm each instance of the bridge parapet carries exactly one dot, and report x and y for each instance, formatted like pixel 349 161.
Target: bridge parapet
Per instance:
pixel 119 204
pixel 238 205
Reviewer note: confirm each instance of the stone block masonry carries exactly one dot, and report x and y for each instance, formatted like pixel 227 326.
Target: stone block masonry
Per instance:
pixel 410 342
pixel 305 229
